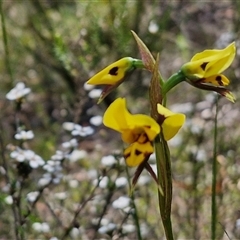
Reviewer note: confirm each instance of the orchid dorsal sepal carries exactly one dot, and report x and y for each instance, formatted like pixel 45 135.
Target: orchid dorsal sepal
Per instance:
pixel 209 63
pixel 115 72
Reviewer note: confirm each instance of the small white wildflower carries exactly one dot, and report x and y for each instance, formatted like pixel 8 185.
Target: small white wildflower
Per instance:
pixel 153 27
pixel 52 166
pixel 53 238
pixel 92 173
pixel 143 180
pixel 44 181
pixel 121 203
pixel 95 93
pixel 27 155
pixel 34 159
pixel 103 182
pixel 32 196
pixel 108 160
pixel 58 156
pixel 8 200
pixel 107 228
pixel 24 135
pixel 70 144
pixel 121 182
pixel 96 120
pixel 73 183
pixel 77 155
pixel 238 223
pixel 18 154
pixel 68 126
pixel 41 227
pixel 50 177
pixel 18 92
pixel 129 228
pixel 37 226
pixel 75 233
pixel 61 195
pixel 82 131
pixel 45 227
pixel 144 229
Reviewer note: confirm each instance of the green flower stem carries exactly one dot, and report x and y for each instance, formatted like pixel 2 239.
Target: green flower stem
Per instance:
pixel 175 79
pixel 137 63
pixel 214 177
pixel 5 42
pixel 165 181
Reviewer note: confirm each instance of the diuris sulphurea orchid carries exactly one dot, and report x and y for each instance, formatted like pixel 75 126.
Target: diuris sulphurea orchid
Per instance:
pixel 138 130
pixel 113 75
pixel 204 71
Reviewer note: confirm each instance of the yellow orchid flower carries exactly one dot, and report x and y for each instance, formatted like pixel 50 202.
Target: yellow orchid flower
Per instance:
pixel 139 130
pixel 207 66
pixel 169 121
pixel 114 74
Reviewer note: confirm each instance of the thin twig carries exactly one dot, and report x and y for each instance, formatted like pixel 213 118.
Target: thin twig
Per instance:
pixel 214 176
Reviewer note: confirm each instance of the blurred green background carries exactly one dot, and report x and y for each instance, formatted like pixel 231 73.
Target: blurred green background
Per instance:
pixel 56 46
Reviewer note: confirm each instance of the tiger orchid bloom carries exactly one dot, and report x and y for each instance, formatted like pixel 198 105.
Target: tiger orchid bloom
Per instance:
pixel 138 130
pixel 113 75
pixel 205 69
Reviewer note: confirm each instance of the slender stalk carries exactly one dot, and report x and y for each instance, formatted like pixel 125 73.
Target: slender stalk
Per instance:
pixel 135 212
pixel 175 79
pixel 214 177
pixel 5 42
pixel 165 181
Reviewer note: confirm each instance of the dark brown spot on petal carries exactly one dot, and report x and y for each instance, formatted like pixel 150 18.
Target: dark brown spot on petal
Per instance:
pixel 137 152
pixel 203 66
pixel 142 138
pixel 219 80
pixel 114 71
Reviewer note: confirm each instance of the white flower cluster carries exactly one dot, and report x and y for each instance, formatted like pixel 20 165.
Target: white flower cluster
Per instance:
pixel 21 155
pixel 24 135
pixel 18 92
pixel 77 129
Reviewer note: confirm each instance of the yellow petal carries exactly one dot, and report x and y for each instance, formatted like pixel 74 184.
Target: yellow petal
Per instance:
pixel 131 126
pixel 209 62
pixel 230 96
pixel 113 73
pixel 164 111
pixel 217 80
pixel 172 124
pixel 136 153
pixel 116 115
